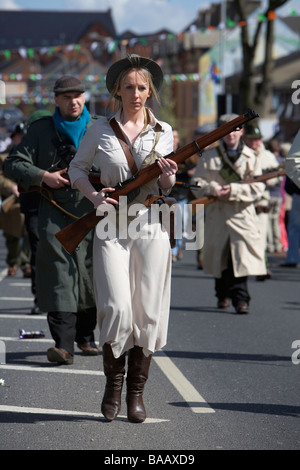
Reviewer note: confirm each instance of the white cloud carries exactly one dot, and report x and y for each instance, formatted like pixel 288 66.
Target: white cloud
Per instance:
pixel 142 16
pixel 9 5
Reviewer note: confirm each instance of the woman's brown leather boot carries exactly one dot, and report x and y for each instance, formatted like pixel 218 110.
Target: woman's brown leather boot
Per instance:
pixel 137 375
pixel 114 369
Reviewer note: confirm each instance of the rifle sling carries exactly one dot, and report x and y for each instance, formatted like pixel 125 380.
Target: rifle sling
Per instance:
pixel 116 128
pixel 47 194
pixel 132 165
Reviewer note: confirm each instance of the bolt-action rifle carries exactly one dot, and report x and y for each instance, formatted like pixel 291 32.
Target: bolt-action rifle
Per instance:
pixel 73 234
pixel 206 200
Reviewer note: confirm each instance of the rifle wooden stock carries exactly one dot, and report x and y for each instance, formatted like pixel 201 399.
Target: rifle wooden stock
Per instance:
pixel 206 200
pixel 8 202
pixel 73 234
pixel 203 201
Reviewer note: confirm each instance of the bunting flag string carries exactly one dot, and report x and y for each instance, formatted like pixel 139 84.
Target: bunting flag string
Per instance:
pixel 100 79
pixel 112 44
pixel 95 82
pixel 41 91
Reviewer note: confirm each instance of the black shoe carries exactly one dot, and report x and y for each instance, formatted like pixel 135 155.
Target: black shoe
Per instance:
pixel 61 356
pixel 27 273
pixel 35 310
pixel 264 276
pixel 242 308
pixel 223 303
pixel 89 349
pixel 288 265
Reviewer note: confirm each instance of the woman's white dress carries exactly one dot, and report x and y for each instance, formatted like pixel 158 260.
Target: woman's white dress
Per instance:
pixel 132 273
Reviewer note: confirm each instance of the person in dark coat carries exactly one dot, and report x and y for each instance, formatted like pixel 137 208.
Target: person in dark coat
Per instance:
pixel 11 217
pixel 64 285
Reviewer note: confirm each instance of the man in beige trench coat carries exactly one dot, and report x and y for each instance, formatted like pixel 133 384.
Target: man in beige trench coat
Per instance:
pixel 233 245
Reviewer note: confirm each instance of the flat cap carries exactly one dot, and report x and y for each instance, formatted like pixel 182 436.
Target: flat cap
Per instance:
pixel 205 128
pixel 227 118
pixel 252 131
pixel 68 83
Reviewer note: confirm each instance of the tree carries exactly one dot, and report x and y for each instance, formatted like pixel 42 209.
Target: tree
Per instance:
pixel 252 95
pixel 165 112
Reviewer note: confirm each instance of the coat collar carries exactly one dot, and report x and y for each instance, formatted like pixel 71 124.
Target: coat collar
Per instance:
pixel 152 121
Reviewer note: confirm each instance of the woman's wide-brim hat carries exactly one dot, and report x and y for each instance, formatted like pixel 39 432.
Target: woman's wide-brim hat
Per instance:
pixel 131 61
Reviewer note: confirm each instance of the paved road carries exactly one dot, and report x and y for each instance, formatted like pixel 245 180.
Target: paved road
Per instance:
pixel 223 382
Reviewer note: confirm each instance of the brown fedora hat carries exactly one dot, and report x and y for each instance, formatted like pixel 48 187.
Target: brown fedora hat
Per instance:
pixel 131 61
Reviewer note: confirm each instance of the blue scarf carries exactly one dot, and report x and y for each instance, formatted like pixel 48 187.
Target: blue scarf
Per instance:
pixel 74 130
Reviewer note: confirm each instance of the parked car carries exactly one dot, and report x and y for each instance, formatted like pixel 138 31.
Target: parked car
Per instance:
pixel 10 117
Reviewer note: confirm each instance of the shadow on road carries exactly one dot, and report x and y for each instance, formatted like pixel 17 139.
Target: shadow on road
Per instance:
pixel 257 408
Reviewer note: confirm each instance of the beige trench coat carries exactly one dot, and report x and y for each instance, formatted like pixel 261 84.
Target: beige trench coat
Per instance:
pixel 232 224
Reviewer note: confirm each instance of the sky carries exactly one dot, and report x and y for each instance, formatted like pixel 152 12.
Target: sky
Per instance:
pixel 140 16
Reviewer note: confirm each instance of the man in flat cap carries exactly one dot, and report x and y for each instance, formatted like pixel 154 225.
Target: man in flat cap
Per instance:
pixel 232 248
pixel 63 281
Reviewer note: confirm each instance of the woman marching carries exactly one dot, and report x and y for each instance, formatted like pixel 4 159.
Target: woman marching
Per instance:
pixel 131 274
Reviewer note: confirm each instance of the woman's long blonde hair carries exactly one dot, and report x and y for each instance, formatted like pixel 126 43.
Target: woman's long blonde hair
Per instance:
pixel 116 100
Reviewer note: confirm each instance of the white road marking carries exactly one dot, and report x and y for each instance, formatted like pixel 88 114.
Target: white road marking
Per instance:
pixel 50 369
pixel 16 299
pixel 83 414
pixel 27 316
pixel 35 340
pixel 193 398
pixel 19 284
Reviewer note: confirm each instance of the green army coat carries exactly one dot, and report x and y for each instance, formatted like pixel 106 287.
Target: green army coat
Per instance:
pixel 64 282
